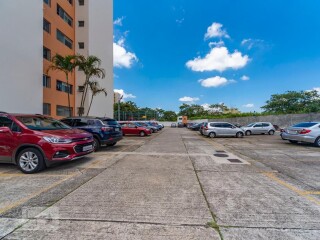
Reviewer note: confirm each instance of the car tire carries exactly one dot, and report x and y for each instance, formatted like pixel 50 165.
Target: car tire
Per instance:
pixel 248 133
pixel 271 132
pixel 142 134
pixel 212 135
pixel 111 144
pixel 293 141
pixel 96 144
pixel 239 135
pixel 317 142
pixel 152 130
pixel 30 160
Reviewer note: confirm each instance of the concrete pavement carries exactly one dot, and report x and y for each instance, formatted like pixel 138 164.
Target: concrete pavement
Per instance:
pixel 174 185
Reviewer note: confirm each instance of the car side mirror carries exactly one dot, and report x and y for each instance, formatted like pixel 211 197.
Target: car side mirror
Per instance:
pixel 5 130
pixel 234 127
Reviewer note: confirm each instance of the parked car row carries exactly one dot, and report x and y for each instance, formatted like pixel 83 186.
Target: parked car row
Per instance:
pixel 308 132
pixel 34 142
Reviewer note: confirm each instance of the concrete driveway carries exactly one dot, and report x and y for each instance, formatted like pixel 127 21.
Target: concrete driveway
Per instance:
pixel 175 184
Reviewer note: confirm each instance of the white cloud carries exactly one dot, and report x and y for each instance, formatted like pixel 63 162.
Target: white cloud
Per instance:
pixel 180 21
pixel 189 99
pixel 215 82
pixel 317 89
pixel 245 78
pixel 206 106
pixel 249 105
pixel 118 21
pixel 124 94
pixel 215 30
pixel 250 43
pixel 216 44
pixel 121 57
pixel 218 59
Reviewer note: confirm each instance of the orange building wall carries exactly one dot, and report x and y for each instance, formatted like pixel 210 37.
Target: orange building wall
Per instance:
pixel 50 41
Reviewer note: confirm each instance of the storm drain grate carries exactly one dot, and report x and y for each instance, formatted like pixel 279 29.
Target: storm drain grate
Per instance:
pixel 220 155
pixel 233 160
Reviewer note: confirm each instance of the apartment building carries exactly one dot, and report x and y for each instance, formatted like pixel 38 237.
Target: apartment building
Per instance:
pixel 35 31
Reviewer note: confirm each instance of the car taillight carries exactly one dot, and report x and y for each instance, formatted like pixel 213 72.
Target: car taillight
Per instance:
pixel 105 129
pixel 304 131
pixel 206 128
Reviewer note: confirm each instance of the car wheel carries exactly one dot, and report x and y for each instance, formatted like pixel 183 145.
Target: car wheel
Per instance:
pixel 317 142
pixel 292 141
pixel 142 134
pixel 30 160
pixel 271 132
pixel 96 144
pixel 152 130
pixel 248 133
pixel 111 144
pixel 239 135
pixel 212 135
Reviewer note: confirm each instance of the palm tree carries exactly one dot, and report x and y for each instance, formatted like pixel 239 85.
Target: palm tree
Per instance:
pixel 96 89
pixel 91 68
pixel 64 64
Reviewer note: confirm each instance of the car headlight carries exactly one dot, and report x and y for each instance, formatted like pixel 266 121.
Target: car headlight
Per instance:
pixel 57 140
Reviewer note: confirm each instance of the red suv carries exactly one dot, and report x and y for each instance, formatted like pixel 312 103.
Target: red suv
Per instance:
pixel 34 142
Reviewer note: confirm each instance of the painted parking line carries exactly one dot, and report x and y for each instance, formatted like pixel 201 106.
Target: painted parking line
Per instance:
pixel 304 194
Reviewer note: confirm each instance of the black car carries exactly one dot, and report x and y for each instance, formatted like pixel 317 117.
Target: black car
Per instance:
pixel 105 131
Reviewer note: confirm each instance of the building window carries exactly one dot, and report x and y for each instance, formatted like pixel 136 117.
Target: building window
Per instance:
pixel 46 108
pixel 46 53
pixel 80 88
pixel 70 1
pixel 62 13
pixel 81 23
pixel 46 81
pixel 48 2
pixel 63 111
pixel 64 39
pixel 64 87
pixel 81 2
pixel 46 26
pixel 81 45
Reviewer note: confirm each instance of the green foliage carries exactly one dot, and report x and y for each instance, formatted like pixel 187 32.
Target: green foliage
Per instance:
pixel 293 102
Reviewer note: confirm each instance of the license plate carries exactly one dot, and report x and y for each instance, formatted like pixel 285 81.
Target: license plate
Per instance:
pixel 117 129
pixel 87 148
pixel 292 132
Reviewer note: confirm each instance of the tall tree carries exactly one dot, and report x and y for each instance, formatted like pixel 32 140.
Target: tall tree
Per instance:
pixel 66 65
pixel 293 102
pixel 91 67
pixel 95 89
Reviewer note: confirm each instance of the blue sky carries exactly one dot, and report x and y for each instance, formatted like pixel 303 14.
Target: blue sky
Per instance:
pixel 237 52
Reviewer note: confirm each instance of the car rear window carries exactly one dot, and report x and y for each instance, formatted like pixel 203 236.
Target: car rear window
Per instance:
pixel 305 124
pixel 110 121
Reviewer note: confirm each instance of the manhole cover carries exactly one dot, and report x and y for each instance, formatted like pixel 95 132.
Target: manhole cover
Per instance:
pixel 220 151
pixel 220 155
pixel 234 160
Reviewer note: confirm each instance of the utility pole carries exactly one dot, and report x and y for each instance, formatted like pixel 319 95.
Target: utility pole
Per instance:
pixel 119 100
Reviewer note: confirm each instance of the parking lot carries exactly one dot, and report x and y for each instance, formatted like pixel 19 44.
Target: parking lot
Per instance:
pixel 175 184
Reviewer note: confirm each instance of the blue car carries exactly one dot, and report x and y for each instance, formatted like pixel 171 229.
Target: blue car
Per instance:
pixel 105 131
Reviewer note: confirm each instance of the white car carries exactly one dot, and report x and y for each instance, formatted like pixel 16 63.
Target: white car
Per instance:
pixel 217 129
pixel 303 132
pixel 259 128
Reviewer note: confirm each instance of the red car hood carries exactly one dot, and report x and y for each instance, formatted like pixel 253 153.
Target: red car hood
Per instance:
pixel 68 133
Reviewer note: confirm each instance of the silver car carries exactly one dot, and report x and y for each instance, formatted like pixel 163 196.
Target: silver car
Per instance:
pixel 216 129
pixel 308 132
pixel 259 128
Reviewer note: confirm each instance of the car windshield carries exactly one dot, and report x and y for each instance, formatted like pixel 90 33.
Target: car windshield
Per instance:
pixel 305 124
pixel 42 123
pixel 250 125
